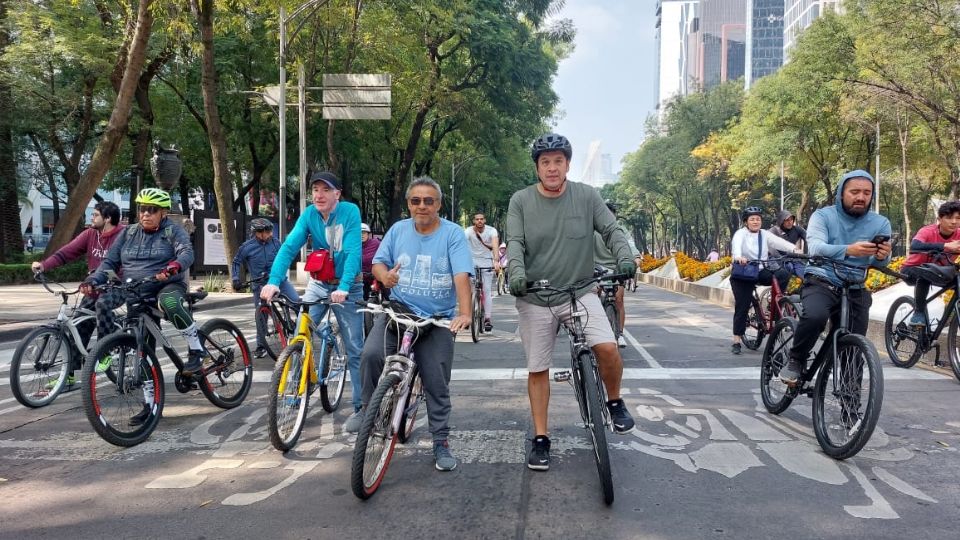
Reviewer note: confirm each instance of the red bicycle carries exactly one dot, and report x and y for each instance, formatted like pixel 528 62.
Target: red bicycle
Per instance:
pixel 768 308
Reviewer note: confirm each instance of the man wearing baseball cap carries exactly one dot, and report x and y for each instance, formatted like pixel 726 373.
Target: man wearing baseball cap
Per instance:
pixel 333 225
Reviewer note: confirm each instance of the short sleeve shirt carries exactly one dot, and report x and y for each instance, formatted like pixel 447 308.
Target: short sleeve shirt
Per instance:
pixel 428 263
pixel 482 255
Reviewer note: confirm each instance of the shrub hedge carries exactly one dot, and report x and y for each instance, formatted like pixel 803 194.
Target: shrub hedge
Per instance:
pixel 20 273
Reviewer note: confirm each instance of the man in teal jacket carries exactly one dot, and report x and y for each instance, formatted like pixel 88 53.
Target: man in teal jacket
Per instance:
pixel 333 225
pixel 845 232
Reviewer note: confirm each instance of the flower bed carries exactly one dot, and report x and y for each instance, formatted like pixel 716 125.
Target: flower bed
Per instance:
pixel 649 264
pixel 877 281
pixel 695 270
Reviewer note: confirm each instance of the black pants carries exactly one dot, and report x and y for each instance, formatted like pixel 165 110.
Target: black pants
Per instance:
pixel 921 288
pixel 821 303
pixel 743 295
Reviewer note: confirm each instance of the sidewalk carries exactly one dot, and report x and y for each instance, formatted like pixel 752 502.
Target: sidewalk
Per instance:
pixel 24 307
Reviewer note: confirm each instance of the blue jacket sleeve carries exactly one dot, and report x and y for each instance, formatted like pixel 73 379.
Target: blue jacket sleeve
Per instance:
pixel 352 247
pixel 295 240
pixel 817 236
pixel 238 260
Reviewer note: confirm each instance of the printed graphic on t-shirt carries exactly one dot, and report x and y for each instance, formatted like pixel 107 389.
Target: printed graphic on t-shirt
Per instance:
pixel 424 277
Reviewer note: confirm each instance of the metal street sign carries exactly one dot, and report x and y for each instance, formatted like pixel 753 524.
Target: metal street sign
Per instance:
pixel 356 96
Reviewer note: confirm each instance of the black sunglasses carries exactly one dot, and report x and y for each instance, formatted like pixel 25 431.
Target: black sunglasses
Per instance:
pixel 415 201
pixel 149 209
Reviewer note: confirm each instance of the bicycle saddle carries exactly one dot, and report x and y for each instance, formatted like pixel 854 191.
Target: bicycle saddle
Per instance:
pixel 936 274
pixel 195 296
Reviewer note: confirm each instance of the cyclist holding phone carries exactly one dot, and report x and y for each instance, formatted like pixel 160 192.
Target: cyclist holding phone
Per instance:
pixel 942 236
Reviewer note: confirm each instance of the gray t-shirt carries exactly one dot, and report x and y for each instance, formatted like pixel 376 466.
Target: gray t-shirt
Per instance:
pixel 552 238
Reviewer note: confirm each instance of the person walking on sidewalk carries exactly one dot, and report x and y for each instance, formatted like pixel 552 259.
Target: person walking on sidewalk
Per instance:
pixel 94 243
pixel 257 255
pixel 550 229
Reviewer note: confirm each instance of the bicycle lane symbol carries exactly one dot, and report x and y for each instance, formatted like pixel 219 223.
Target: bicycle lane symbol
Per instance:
pixel 792 445
pixel 248 445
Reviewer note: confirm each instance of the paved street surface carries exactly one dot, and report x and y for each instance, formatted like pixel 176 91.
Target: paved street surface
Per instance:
pixel 706 461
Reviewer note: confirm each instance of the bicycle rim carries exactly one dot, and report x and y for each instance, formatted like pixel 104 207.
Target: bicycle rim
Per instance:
pixel 289 400
pixel 593 403
pixel 901 340
pixel 776 395
pixel 847 398
pixel 126 410
pixel 38 370
pixel 376 439
pixel 334 376
pixel 226 381
pixel 953 352
pixel 274 339
pixel 411 406
pixel 476 325
pixel 753 335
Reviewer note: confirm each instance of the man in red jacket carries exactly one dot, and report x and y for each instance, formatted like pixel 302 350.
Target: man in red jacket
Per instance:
pixel 94 243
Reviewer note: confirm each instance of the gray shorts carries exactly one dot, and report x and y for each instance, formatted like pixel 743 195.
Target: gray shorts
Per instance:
pixel 538 328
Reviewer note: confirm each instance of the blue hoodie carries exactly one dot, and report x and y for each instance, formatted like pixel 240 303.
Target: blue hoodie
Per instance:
pixel 832 229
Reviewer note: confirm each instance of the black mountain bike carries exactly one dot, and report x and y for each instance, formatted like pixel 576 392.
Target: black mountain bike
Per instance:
pixel 584 377
pixel 122 384
pixel 848 388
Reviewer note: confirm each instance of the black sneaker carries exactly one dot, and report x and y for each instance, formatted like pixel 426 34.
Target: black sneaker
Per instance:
pixel 194 363
pixel 735 348
pixel 260 352
pixel 141 417
pixel 791 372
pixel 622 421
pixel 539 457
pixel 487 326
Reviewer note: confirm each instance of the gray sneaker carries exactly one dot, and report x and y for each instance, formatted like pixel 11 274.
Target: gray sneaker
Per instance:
pixel 790 374
pixel 352 425
pixel 445 460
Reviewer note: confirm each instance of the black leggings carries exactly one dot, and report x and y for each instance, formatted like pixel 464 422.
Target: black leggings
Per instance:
pixel 743 295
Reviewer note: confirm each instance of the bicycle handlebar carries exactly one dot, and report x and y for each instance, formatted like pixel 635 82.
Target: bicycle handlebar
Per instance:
pixel 544 284
pixel 41 278
pixel 406 319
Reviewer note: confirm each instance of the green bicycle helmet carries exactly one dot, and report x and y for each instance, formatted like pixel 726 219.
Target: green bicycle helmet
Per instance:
pixel 154 196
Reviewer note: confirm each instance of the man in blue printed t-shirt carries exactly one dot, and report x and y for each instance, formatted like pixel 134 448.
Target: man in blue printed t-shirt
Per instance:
pixel 426 263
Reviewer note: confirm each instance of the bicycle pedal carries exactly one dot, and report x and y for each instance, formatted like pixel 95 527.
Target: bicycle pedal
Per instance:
pixel 561 376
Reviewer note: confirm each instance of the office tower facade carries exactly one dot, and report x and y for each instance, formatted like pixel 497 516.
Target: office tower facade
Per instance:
pixel 764 38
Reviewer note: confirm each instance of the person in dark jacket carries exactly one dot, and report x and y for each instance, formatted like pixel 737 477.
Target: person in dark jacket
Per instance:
pixel 370 244
pixel 257 255
pixel 788 229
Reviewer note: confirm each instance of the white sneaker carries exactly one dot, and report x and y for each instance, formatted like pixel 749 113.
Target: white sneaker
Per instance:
pixel 622 342
pixel 352 425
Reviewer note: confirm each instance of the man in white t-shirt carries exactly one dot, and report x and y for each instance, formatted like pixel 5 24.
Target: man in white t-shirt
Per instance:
pixel 483 240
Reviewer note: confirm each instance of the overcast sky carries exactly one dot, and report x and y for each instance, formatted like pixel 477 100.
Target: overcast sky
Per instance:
pixel 607 87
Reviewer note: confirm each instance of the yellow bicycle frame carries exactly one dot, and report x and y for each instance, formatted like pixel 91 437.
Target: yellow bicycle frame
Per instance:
pixel 304 335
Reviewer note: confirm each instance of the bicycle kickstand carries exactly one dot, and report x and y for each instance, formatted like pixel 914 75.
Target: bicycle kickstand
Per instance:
pixel 936 357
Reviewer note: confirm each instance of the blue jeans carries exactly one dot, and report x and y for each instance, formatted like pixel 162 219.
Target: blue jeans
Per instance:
pixel 285 288
pixel 351 325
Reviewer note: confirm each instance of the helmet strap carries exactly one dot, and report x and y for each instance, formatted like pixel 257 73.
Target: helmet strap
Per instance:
pixel 559 188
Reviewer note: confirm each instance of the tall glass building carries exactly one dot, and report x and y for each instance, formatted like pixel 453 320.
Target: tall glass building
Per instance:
pixel 764 38
pixel 800 14
pixel 721 40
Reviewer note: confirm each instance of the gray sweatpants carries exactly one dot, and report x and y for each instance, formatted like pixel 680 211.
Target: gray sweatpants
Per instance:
pixel 433 351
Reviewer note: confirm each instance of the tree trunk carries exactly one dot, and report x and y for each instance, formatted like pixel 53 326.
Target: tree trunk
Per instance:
pixel 116 129
pixel 222 183
pixel 11 241
pixel 903 136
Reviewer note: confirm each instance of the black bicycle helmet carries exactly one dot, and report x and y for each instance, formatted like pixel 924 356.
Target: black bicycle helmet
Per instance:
pixel 751 211
pixel 612 206
pixel 548 142
pixel 260 225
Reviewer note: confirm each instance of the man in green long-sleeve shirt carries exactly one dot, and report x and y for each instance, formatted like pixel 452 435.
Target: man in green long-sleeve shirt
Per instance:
pixel 550 229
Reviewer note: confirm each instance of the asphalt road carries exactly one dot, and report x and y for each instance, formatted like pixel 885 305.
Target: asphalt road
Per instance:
pixel 706 461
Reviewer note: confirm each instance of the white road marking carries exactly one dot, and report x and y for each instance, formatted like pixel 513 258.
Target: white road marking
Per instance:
pixel 900 485
pixel 643 352
pixel 878 508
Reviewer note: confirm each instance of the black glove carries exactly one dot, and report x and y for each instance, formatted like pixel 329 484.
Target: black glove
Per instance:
pixel 627 267
pixel 236 285
pixel 518 285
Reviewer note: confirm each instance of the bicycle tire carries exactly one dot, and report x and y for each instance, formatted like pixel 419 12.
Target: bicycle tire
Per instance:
pixel 274 336
pixel 843 433
pixel 287 406
pixel 952 352
pixel 376 440
pixel 476 326
pixel 333 379
pixel 411 407
pixel 753 336
pixel 42 358
pixel 613 318
pixel 595 423
pixel 776 395
pixel 902 343
pixel 790 308
pixel 111 409
pixel 226 382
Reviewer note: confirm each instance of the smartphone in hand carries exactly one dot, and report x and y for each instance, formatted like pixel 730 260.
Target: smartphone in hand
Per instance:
pixel 880 238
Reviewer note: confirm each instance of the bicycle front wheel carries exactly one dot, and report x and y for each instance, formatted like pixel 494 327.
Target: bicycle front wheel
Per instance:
pixel 593 404
pixel 38 370
pixel 274 337
pixel 613 318
pixel 902 341
pixel 376 439
pixel 754 333
pixel 953 348
pixel 847 397
pixel 334 375
pixel 776 395
pixel 227 380
pixel 125 408
pixel 410 408
pixel 476 326
pixel 289 398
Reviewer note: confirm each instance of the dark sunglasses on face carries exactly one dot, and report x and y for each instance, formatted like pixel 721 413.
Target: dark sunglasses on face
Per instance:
pixel 149 209
pixel 415 201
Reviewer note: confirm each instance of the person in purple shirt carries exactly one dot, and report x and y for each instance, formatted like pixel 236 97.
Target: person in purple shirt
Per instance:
pixel 370 244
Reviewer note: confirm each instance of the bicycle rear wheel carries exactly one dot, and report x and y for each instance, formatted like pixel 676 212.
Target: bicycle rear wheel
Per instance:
pixel 753 336
pixel 902 341
pixel 411 407
pixel 227 380
pixel 126 408
pixel 333 379
pixel 847 397
pixel 274 337
pixel 776 395
pixel 593 404
pixel 476 327
pixel 953 352
pixel 289 399
pixel 376 439
pixel 38 369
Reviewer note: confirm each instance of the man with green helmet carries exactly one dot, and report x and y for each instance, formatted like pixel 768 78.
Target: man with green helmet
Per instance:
pixel 159 248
